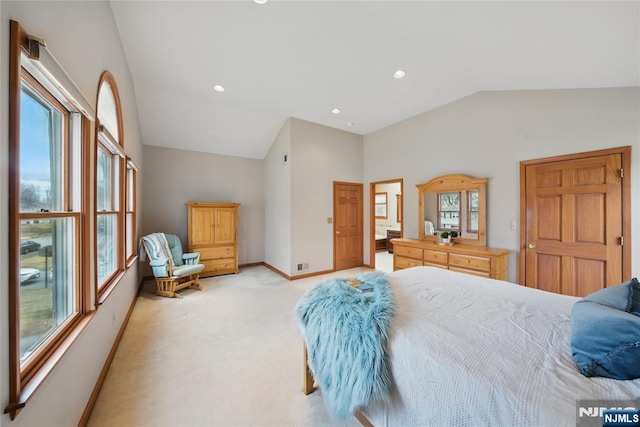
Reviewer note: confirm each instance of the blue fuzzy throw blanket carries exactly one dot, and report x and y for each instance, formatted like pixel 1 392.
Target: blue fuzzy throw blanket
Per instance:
pixel 345 324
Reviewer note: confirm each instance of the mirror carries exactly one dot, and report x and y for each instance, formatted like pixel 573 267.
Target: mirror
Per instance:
pixel 453 203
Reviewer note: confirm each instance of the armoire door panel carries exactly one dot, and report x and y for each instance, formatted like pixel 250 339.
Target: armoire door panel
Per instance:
pixel 203 226
pixel 225 226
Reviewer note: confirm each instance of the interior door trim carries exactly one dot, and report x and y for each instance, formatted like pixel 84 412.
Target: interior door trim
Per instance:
pixel 625 153
pixel 372 216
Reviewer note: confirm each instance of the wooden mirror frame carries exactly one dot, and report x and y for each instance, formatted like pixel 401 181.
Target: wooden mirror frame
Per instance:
pixel 451 183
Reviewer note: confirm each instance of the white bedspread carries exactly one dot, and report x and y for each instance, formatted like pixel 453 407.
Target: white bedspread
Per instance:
pixel 470 351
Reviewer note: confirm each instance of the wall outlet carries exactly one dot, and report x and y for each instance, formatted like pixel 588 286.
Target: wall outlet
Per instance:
pixel 303 266
pixel 114 317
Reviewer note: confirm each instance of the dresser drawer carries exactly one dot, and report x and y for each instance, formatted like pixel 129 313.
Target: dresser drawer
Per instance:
pixel 471 262
pixel 218 252
pixel 436 257
pixel 408 252
pixel 219 265
pixel 401 262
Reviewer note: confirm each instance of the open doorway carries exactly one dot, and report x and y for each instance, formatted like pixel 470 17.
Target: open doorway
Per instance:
pixel 385 219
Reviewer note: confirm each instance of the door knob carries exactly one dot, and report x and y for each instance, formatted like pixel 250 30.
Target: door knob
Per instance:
pixel 337 232
pixel 532 246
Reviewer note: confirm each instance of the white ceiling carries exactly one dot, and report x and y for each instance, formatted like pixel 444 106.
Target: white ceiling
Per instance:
pixel 304 58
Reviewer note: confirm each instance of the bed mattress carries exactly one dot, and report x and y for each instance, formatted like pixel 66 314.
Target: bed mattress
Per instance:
pixel 469 351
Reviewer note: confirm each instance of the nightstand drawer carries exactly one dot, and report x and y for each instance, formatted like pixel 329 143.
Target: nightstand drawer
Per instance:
pixel 408 252
pixel 469 261
pixel 401 262
pixel 436 257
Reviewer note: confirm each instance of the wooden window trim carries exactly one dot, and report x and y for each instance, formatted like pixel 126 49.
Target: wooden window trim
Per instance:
pixel 24 382
pixel 386 205
pixel 42 91
pixel 107 286
pixel 131 210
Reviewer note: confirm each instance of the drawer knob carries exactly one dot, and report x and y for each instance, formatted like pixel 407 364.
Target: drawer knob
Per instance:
pixel 468 261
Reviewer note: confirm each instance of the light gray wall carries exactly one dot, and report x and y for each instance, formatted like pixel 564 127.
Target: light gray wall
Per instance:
pixel 277 206
pixel 320 156
pixel 178 176
pixel 489 133
pixel 84 39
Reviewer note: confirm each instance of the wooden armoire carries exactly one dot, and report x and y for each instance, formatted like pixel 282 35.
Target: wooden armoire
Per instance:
pixel 213 231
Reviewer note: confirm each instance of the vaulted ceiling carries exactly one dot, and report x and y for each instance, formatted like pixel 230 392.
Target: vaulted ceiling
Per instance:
pixel 304 58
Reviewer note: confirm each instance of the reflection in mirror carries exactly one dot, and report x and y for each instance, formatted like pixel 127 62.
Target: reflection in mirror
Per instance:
pixel 452 211
pixel 453 203
pixel 449 211
pixel 472 217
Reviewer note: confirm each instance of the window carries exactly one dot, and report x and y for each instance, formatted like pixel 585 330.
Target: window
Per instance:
pixel 381 205
pixel 110 187
pixel 130 232
pixel 449 211
pixel 47 133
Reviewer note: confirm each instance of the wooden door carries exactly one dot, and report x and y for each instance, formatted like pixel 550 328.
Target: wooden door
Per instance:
pixel 225 220
pixel 574 224
pixel 202 224
pixel 347 225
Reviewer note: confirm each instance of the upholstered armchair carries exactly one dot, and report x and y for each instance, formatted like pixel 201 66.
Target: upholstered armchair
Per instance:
pixel 172 269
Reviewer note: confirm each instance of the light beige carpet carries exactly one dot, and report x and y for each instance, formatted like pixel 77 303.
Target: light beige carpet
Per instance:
pixel 230 355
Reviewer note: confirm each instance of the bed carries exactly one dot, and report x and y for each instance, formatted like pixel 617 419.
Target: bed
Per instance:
pixel 466 350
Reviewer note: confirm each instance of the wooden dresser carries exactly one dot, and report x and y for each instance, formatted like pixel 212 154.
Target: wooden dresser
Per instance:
pixel 213 231
pixel 477 260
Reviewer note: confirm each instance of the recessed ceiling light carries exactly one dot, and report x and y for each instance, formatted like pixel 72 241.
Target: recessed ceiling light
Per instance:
pixel 218 88
pixel 336 111
pixel 398 74
pixel 260 1
pixel 351 124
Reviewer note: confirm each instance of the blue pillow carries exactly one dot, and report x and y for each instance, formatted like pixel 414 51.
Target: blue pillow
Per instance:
pixel 605 332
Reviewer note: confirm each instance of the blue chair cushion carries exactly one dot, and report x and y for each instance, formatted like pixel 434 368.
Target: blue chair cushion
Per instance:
pixel 191 258
pixel 183 270
pixel 176 248
pixel 605 332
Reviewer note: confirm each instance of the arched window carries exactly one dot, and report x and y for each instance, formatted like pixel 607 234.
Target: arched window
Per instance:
pixel 110 179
